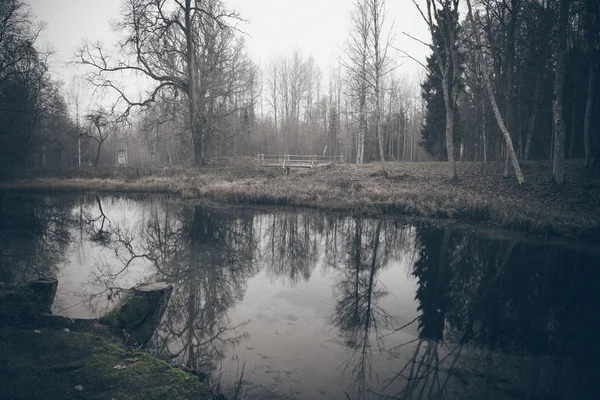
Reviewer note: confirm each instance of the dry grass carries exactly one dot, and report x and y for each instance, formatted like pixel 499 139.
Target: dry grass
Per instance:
pixel 420 189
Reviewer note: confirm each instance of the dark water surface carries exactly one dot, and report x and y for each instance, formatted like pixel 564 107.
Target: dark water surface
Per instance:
pixel 310 305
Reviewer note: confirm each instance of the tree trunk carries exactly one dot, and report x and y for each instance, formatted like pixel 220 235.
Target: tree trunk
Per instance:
pixel 97 154
pixel 378 127
pixel 191 85
pixel 139 312
pixel 142 153
pixel 532 118
pixel 484 134
pixel 376 20
pixel 198 150
pixel 587 143
pixel 404 142
pixel 153 150
pixel 595 164
pixel 558 159
pixel 488 85
pixel 449 126
pixel 509 146
pixel 450 142
pixel 362 128
pixel 510 62
pixel 573 117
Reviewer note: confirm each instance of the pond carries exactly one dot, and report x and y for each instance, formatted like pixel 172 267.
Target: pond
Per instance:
pixel 300 304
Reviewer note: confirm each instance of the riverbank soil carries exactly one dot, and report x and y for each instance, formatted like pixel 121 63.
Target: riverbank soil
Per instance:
pixel 40 362
pixel 481 193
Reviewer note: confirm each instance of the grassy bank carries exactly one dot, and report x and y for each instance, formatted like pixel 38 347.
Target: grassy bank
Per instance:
pixel 419 189
pixel 44 361
pixel 55 364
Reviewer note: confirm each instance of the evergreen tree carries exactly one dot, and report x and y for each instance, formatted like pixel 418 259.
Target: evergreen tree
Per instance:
pixel 433 138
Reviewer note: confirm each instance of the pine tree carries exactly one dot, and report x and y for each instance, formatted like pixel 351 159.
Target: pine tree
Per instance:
pixel 433 138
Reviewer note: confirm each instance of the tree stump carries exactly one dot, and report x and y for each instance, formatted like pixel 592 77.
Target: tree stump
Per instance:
pixel 138 314
pixel 23 306
pixel 45 290
pixel 133 320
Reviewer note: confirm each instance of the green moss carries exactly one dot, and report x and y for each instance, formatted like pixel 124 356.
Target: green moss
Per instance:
pixel 20 306
pixel 131 314
pixel 134 311
pixel 52 363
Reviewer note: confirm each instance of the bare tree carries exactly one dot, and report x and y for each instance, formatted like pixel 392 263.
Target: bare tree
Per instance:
pixel 356 65
pixel 296 78
pixel 488 84
pixel 592 36
pixel 18 35
pixel 76 96
pixel 558 158
pixel 367 61
pixel 156 118
pixel 442 20
pixel 101 126
pixel 273 79
pixel 174 44
pixel 380 64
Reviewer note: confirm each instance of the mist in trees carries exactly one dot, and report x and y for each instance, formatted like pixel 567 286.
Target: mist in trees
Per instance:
pixel 35 127
pixel 511 80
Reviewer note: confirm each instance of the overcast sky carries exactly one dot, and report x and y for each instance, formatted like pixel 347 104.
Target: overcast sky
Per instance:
pixel 317 27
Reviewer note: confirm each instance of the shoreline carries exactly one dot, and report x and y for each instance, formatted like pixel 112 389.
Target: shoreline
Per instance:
pixel 45 359
pixel 412 189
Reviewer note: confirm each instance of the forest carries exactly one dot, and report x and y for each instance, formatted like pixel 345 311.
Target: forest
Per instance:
pixel 505 80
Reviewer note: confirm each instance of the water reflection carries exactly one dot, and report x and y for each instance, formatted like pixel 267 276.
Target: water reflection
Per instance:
pixel 210 271
pixel 498 317
pixel 34 234
pixel 357 314
pixel 206 254
pixel 291 247
pixel 323 306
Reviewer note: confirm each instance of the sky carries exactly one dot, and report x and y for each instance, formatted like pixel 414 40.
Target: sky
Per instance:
pixel 316 27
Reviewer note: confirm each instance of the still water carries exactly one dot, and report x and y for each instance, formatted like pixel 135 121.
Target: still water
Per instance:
pixel 308 305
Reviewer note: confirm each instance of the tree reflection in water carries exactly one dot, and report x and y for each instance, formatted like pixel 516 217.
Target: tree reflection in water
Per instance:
pixel 367 246
pixel 34 236
pixel 210 274
pixel 207 254
pixel 356 311
pixel 494 317
pixel 291 247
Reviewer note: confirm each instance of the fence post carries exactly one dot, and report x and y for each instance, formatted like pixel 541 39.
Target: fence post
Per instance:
pixel 341 158
pixel 284 159
pixel 312 165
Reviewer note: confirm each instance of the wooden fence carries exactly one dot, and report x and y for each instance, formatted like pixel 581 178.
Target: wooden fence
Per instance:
pixel 296 161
